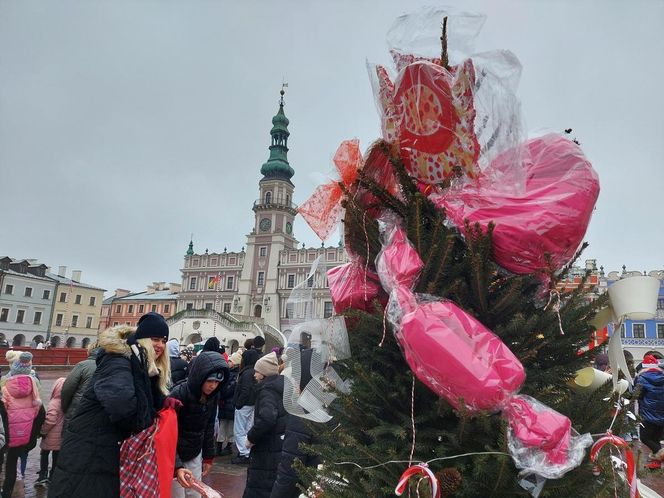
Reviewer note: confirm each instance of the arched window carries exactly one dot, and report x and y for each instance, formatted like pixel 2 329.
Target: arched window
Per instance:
pixel 258 311
pixel 287 200
pixel 268 197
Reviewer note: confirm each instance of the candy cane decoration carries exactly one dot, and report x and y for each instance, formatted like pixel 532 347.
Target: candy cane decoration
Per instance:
pixel 420 468
pixel 619 443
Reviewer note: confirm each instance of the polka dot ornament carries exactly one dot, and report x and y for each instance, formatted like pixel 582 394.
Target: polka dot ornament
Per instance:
pixel 428 111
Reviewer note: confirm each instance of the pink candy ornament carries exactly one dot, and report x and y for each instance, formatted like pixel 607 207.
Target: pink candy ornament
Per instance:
pixel 458 358
pixel 461 360
pixel 354 286
pixel 398 264
pixel 551 215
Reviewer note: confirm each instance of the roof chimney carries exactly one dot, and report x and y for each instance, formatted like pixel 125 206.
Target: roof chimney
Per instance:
pixel 62 271
pixel 121 292
pixel 76 275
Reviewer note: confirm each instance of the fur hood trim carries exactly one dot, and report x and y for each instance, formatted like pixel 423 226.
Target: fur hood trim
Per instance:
pixel 114 340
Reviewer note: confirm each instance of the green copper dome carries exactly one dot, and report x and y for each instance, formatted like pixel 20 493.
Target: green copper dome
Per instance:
pixel 280 121
pixel 190 251
pixel 277 165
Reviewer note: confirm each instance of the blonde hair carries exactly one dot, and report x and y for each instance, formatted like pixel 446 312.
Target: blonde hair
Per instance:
pixel 161 364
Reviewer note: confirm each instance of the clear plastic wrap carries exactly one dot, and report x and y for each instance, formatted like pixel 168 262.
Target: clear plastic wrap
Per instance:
pixel 462 361
pixel 378 168
pixel 314 344
pixel 398 264
pixel 310 381
pixel 353 285
pixel 549 218
pixel 418 33
pixel 446 119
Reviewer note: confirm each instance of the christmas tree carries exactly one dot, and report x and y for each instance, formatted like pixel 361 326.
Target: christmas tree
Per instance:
pixel 392 417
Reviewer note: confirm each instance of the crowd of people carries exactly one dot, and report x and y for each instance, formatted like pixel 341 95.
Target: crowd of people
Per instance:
pixel 225 405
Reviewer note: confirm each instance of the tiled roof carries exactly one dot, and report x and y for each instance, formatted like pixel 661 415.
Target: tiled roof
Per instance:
pixel 69 281
pixel 26 275
pixel 108 300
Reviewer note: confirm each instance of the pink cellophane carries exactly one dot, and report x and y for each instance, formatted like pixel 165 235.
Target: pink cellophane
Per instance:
pixel 353 285
pixel 398 264
pixel 550 217
pixel 458 358
pixel 461 360
pixel 323 209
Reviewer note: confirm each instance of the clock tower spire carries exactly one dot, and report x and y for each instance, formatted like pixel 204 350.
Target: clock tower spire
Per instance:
pixel 274 208
pixel 274 213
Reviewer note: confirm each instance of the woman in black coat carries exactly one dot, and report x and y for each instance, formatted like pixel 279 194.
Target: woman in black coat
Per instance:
pixel 297 432
pixel 266 436
pixel 122 398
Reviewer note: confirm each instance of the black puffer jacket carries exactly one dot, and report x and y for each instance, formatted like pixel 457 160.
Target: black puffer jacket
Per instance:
pixel 196 416
pixel 267 436
pixel 244 391
pixel 227 395
pixel 297 431
pixel 120 400
pixel 179 370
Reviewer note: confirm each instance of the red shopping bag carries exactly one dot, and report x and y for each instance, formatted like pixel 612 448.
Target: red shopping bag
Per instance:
pixel 165 442
pixel 138 466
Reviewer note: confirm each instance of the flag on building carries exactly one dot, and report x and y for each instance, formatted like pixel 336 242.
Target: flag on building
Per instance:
pixel 212 281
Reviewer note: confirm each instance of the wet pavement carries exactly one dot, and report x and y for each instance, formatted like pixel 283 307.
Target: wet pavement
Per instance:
pixel 230 479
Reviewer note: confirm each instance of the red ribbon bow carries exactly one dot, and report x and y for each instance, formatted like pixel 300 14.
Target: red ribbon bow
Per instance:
pixel 323 209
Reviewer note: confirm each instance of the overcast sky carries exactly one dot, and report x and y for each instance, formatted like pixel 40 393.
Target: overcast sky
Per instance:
pixel 127 125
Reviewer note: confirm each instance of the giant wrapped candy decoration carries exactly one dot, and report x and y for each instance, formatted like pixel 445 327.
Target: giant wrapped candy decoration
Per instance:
pixel 353 285
pixel 549 217
pixel 428 112
pixel 462 361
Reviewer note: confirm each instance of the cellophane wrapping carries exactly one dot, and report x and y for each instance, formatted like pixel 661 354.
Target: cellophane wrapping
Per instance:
pixel 354 285
pixel 461 360
pixel 448 120
pixel 541 440
pixel 548 220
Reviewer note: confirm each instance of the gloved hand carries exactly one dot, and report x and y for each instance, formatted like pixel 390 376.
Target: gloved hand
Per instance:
pixel 174 403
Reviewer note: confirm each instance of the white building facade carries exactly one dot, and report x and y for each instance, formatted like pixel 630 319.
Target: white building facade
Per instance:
pixel 26 301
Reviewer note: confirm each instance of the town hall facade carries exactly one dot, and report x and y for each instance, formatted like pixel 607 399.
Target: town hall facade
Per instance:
pixel 248 290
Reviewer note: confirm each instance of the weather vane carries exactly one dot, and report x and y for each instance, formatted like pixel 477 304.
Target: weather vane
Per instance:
pixel 283 85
